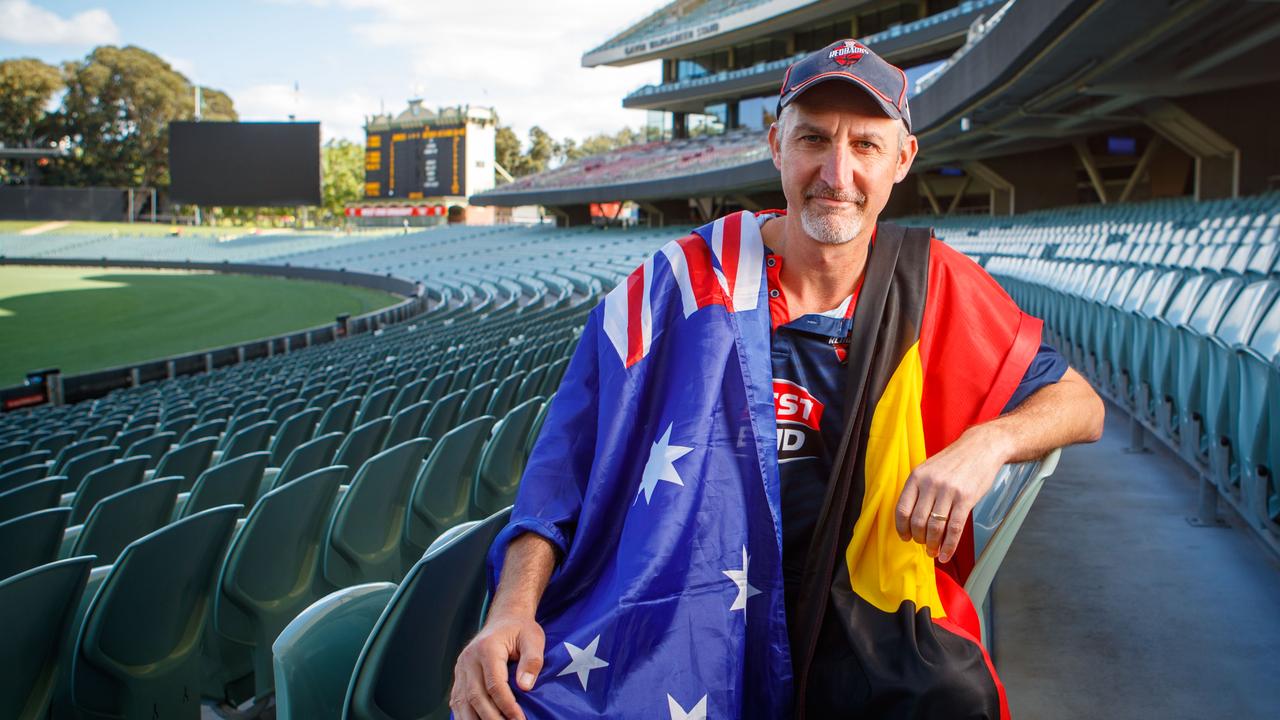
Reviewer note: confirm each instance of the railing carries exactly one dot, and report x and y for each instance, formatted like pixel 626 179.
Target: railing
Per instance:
pixel 85 386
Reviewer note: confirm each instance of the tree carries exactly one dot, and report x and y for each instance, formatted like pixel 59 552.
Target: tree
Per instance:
pixel 569 150
pixel 507 150
pixel 26 88
pixel 117 111
pixel 342 176
pixel 541 149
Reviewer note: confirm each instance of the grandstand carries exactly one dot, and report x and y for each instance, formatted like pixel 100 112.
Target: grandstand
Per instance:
pixel 309 528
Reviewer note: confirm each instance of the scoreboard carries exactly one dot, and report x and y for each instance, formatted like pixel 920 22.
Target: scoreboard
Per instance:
pixel 411 164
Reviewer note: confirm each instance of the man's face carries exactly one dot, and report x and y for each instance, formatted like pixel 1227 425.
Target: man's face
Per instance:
pixel 839 156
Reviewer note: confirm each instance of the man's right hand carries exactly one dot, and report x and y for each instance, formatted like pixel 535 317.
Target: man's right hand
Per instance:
pixel 480 683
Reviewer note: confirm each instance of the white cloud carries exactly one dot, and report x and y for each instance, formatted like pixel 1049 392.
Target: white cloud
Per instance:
pixel 24 23
pixel 521 58
pixel 182 65
pixel 340 116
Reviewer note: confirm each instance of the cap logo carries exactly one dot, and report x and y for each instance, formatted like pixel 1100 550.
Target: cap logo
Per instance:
pixel 848 54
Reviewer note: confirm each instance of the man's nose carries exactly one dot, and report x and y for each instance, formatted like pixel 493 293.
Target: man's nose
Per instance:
pixel 838 168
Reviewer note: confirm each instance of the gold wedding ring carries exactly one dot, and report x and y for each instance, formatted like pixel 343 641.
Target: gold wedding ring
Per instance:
pixel 937 516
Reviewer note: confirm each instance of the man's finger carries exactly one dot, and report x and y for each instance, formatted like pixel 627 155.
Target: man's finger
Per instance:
pixel 531 647
pixel 906 503
pixel 920 515
pixel 955 530
pixel 496 689
pixel 936 525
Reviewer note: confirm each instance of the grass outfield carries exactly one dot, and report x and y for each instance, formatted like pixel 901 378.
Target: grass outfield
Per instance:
pixel 82 319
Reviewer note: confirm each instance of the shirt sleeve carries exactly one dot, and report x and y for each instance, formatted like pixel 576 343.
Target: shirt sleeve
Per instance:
pixel 1047 368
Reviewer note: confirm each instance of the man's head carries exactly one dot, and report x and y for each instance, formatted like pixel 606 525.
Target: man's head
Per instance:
pixel 842 139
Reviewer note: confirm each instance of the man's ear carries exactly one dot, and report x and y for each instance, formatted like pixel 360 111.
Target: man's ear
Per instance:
pixel 775 145
pixel 906 156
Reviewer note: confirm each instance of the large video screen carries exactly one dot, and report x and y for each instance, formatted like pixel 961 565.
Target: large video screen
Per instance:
pixel 412 164
pixel 244 163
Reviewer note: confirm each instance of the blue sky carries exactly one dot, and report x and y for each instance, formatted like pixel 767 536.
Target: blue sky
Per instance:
pixel 350 57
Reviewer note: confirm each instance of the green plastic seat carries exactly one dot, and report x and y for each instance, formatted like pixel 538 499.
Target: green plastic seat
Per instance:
pixel 106 480
pixel 37 610
pixel 286 410
pixel 187 461
pixel 31 540
pixel 272 571
pixel 502 461
pixel 375 405
pixel 26 499
pixel 363 539
pixel 408 395
pixel 555 372
pixel 53 442
pixel 505 394
pixel 119 519
pixel 129 437
pixel 406 423
pixel 137 654
pixel 240 422
pixel 74 450
pixel 996 521
pixel 440 419
pixel 438 387
pixel 307 457
pixel 360 444
pixel 152 447
pixel 231 482
pixel 475 402
pixel 248 440
pixel 211 428
pixel 441 495
pixel 439 605
pixel 10 449
pixel 536 428
pixel 178 425
pixel 338 417
pixel 22 476
pixel 294 431
pixel 531 386
pixel 315 654
pixel 78 468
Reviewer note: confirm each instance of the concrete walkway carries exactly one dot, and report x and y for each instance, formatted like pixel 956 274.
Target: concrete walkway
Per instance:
pixel 1110 605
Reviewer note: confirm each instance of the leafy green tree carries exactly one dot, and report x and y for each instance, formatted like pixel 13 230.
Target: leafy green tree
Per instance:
pixel 27 86
pixel 342 177
pixel 507 150
pixel 541 149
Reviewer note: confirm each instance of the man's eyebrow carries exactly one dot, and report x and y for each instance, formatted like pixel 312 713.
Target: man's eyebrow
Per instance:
pixel 808 128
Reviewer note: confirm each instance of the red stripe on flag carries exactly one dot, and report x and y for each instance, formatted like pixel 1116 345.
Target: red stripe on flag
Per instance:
pixel 962 620
pixel 697 256
pixel 730 240
pixel 635 297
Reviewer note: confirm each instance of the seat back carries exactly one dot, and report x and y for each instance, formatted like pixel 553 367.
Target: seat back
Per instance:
pixel 210 428
pixel 441 494
pixel 476 400
pixel 18 477
pixel 231 482
pixel 36 611
pixel 78 468
pixel 405 424
pixel 504 396
pixel 439 606
pixel 153 446
pixel 375 405
pixel 31 540
pixel 76 449
pixel 308 457
pixel 316 652
pixel 119 519
pixel 338 417
pixel 361 443
pixel 363 543
pixel 187 461
pixel 104 481
pixel 24 500
pixel 441 418
pixel 294 431
pixel 241 421
pixel 502 461
pixel 34 457
pixel 138 651
pixel 272 571
pixel 53 443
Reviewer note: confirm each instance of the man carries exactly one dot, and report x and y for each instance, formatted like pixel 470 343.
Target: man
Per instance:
pixel 751 495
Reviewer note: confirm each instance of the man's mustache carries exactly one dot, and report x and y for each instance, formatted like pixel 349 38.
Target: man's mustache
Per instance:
pixel 822 190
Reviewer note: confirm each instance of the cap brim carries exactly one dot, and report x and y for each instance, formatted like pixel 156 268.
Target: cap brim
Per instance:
pixel 887 105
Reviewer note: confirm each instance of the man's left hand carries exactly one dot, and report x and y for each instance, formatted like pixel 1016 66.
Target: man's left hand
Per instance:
pixel 942 490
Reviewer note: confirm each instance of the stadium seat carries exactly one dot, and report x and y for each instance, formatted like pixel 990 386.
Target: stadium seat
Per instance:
pixel 272 571
pixel 286 410
pixel 74 450
pixel 406 423
pixel 106 480
pixel 438 605
pixel 1192 363
pixel 22 476
pixel 475 401
pixel 338 417
pixel 502 461
pixel 314 655
pixel 409 394
pixel 536 428
pixel 360 444
pixel 249 439
pixel 53 442
pixel 363 543
pixel 78 467
pixel 231 482
pixel 292 432
pixel 37 610
pixel 177 425
pixel 186 461
pixel 375 405
pixel 531 386
pixel 209 428
pixel 34 457
pixel 438 387
pixel 137 652
pixel 306 458
pixel 129 437
pixel 26 499
pixel 441 417
pixel 504 395
pixel 441 495
pixel 1257 395
pixel 119 519
pixel 31 540
pixel 10 449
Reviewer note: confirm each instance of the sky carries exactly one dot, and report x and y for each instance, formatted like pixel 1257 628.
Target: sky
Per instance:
pixel 352 58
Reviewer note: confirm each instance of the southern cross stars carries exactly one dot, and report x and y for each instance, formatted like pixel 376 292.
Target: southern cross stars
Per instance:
pixel 739 577
pixel 583 661
pixel 661 465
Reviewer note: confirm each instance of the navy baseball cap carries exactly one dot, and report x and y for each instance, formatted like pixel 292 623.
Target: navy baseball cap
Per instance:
pixel 854 63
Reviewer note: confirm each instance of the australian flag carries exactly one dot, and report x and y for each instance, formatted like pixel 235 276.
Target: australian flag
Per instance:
pixel 656 477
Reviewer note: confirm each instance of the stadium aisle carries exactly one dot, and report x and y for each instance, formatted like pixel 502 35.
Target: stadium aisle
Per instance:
pixel 1111 605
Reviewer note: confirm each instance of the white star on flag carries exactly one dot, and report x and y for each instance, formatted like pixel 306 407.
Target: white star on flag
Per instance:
pixel 699 711
pixel 661 465
pixel 583 661
pixel 739 577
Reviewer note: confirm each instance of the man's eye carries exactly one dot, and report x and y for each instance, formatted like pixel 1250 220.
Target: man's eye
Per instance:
pixel 865 145
pixel 811 138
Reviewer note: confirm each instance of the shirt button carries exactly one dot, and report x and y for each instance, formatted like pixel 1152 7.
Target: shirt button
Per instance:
pixel 772 262
pixel 774 293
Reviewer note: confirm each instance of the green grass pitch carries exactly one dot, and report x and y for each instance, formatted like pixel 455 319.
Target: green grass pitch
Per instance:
pixel 83 319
